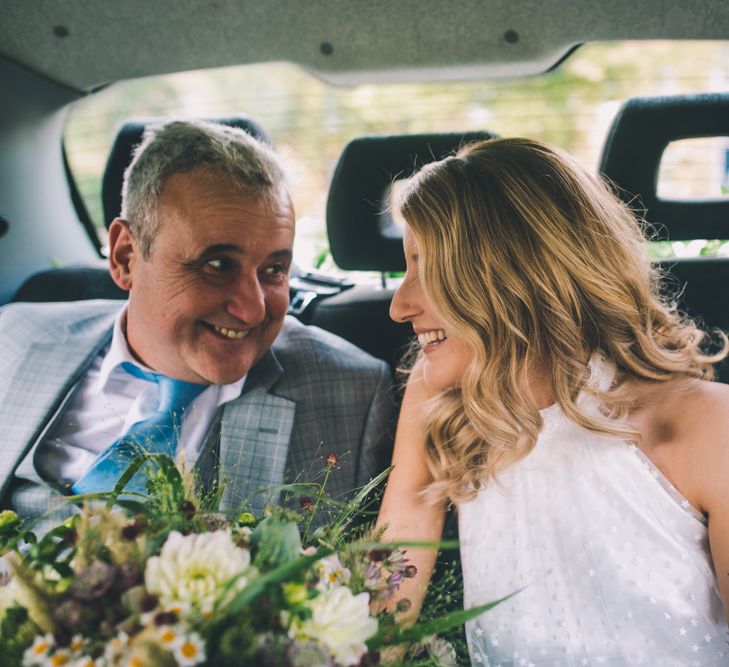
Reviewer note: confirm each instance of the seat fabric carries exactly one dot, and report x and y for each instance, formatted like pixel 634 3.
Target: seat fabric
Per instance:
pixel 640 133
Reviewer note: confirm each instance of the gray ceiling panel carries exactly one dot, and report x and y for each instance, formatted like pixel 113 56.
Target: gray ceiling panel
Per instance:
pixel 86 43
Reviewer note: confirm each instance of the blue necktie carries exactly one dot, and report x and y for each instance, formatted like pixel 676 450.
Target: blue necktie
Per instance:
pixel 155 435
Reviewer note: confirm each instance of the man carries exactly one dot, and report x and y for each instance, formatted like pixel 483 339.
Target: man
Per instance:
pixel 203 246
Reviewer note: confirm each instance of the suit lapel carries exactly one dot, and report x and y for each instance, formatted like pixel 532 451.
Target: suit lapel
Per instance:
pixel 255 433
pixel 38 385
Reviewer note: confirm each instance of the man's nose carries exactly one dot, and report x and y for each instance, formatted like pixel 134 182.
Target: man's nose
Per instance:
pixel 247 301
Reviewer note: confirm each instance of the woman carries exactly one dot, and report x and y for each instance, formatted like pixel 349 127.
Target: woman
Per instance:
pixel 564 406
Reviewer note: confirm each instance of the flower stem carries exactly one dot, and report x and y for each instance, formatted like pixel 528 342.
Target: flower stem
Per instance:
pixel 319 496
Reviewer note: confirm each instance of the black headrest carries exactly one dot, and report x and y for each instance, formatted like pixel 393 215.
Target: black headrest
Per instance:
pixel 632 154
pixel 362 234
pixel 129 137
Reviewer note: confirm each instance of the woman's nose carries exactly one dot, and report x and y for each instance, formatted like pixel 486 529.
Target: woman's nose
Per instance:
pixel 406 302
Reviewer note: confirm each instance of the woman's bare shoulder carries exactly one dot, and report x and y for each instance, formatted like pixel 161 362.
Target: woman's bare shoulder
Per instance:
pixel 687 435
pixel 681 408
pixel 700 410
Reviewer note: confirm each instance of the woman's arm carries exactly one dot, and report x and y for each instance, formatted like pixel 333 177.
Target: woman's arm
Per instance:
pixel 708 461
pixel 714 455
pixel 685 432
pixel 719 541
pixel 403 514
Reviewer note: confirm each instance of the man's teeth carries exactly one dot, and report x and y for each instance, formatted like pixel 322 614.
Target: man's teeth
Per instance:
pixel 231 333
pixel 433 336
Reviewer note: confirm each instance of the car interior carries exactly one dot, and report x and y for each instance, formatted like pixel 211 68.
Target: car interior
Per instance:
pixel 53 55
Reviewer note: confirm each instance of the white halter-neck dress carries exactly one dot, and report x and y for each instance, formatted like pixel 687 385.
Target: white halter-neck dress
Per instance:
pixel 612 562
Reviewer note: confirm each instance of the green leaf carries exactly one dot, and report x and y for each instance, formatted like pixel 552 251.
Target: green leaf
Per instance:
pixel 276 541
pixel 369 546
pixel 165 487
pixel 127 475
pixel 441 624
pixel 210 501
pixel 283 573
pixel 353 507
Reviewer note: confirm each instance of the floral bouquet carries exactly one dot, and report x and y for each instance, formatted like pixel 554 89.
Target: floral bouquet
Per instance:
pixel 163 579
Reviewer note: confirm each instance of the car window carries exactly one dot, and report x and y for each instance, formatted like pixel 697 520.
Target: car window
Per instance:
pixel 571 106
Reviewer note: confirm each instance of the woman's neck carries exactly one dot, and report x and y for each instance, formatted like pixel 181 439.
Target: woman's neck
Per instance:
pixel 540 385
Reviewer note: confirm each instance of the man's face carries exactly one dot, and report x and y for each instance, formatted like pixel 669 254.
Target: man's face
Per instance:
pixel 211 298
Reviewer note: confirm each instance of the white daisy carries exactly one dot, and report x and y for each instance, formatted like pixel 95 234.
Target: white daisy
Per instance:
pixel 40 648
pixel 191 651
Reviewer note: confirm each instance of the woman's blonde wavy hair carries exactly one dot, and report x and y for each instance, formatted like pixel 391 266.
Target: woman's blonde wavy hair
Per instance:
pixel 527 257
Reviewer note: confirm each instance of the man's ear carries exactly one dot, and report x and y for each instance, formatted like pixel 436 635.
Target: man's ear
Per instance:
pixel 123 252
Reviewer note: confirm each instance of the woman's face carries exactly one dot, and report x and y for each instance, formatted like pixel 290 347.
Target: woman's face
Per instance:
pixel 445 357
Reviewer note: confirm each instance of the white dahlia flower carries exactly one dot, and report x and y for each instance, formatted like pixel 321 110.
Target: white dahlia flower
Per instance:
pixel 194 569
pixel 340 622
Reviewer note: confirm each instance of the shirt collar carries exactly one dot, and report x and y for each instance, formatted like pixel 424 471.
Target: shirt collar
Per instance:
pixel 118 353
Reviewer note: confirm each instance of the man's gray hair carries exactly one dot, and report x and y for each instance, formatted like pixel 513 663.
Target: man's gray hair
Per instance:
pixel 179 146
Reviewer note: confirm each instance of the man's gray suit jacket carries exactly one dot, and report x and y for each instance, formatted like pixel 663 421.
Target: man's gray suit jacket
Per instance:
pixel 311 394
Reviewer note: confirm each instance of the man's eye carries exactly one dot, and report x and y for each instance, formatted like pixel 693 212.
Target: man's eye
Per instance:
pixel 218 264
pixel 275 269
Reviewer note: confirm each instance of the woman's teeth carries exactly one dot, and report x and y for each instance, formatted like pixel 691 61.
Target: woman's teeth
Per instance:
pixel 430 337
pixel 235 334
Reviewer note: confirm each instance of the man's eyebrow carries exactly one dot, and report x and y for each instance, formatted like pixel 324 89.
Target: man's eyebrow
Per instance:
pixel 284 253
pixel 221 247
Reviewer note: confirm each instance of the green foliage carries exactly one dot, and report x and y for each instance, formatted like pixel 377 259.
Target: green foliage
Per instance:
pixel 321 257
pixel 10 530
pixel 395 636
pixel 16 634
pixel 237 644
pixel 86 576
pixel 276 542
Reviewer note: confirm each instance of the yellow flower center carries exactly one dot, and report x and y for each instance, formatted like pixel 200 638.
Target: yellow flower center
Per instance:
pixel 41 648
pixel 188 649
pixel 168 636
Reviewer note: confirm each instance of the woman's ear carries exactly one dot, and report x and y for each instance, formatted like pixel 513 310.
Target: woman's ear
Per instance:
pixel 123 252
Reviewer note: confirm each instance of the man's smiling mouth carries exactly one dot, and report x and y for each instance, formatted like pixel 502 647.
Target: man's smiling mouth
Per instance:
pixel 230 334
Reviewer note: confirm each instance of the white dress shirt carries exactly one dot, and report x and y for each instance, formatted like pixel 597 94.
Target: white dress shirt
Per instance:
pixel 107 401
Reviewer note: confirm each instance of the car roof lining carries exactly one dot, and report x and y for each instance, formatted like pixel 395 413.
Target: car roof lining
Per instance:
pixel 82 44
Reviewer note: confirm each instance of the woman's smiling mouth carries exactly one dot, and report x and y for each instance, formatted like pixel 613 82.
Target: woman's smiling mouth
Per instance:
pixel 431 338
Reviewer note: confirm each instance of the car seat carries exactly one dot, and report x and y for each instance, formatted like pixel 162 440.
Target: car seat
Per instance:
pixel 640 133
pixel 363 235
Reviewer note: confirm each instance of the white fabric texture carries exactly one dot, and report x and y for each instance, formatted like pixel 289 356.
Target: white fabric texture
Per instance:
pixel 612 562
pixel 105 405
